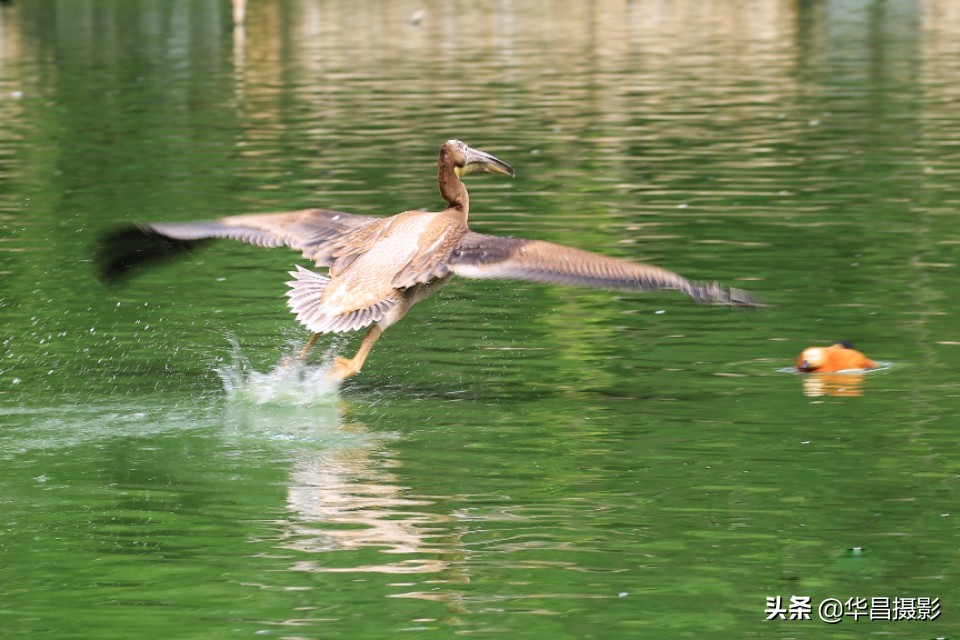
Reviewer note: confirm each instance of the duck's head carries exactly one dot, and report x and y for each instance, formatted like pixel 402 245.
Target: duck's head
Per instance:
pixel 465 160
pixel 812 359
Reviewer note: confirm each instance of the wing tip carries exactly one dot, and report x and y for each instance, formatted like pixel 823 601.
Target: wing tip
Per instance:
pixel 715 293
pixel 124 251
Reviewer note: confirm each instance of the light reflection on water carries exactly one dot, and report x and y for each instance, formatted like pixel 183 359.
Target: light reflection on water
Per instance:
pixel 841 384
pixel 340 497
pixel 515 460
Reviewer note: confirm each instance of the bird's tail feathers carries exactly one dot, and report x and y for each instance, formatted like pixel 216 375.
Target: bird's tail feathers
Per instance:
pixel 305 298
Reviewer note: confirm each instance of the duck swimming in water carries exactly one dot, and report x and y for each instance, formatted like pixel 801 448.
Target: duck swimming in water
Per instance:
pixel 838 357
pixel 380 267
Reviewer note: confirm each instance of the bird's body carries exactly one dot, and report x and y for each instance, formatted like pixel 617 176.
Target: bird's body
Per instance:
pixel 838 357
pixel 377 276
pixel 380 267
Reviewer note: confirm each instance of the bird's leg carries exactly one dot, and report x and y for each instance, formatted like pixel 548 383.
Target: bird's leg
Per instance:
pixel 344 368
pixel 307 347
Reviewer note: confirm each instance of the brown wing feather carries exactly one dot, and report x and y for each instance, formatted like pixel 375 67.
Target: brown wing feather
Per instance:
pixel 432 261
pixel 481 256
pixel 340 252
pixel 306 229
pixel 309 230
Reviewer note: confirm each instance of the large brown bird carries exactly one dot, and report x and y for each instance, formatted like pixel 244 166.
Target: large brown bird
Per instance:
pixel 380 267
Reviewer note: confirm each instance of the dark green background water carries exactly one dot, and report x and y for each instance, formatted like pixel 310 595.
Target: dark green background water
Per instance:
pixel 515 460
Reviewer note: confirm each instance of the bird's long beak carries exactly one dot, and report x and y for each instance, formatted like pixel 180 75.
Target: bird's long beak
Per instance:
pixel 482 162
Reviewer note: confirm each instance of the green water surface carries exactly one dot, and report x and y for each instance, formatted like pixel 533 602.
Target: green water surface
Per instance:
pixel 515 460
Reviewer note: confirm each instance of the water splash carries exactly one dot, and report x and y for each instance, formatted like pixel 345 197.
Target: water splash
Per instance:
pixel 290 382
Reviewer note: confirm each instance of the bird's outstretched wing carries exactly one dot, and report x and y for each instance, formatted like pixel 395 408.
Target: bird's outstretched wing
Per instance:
pixel 308 230
pixel 481 256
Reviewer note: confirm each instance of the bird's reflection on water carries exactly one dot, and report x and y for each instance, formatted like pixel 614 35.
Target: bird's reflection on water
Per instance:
pixel 843 384
pixel 341 493
pixel 838 385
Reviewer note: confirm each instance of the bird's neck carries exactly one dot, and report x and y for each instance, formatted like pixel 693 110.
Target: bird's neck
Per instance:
pixel 451 188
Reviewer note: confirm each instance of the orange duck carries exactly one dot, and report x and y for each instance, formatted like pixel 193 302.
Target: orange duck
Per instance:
pixel 839 357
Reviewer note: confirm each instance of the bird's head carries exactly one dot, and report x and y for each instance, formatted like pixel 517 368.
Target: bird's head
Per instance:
pixel 467 160
pixel 812 359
